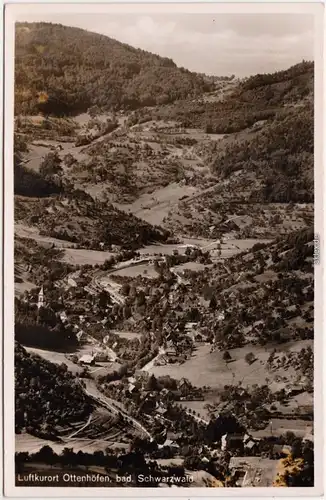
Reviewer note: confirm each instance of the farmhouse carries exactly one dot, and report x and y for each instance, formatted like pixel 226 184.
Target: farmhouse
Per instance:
pixel 231 441
pixel 184 386
pixel 72 282
pixel 87 359
pixel 171 444
pixel 63 317
pixel 171 351
pixel 131 387
pixel 80 334
pixel 251 444
pixel 101 356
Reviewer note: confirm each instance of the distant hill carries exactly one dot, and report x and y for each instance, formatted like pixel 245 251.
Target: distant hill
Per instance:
pixel 260 97
pixel 65 70
pixel 280 148
pixel 290 84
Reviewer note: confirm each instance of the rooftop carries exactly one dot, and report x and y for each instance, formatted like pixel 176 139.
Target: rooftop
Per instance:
pixel 86 358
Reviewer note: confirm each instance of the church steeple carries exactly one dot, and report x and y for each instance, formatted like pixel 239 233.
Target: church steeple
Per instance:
pixel 40 302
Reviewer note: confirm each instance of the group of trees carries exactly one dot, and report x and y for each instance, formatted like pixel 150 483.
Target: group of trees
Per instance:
pixel 225 117
pixel 131 463
pixel 51 166
pixel 46 395
pixel 42 327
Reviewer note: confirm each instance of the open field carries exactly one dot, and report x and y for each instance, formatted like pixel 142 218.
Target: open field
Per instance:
pixel 32 444
pixel 22 287
pixel 77 256
pixel 144 270
pixel 191 266
pixel 208 368
pixel 229 247
pixel 55 357
pixel 198 407
pixel 24 231
pixel 279 426
pixel 170 462
pixel 154 207
pixel 39 149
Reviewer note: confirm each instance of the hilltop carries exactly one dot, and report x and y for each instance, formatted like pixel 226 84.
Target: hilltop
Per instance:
pixel 62 70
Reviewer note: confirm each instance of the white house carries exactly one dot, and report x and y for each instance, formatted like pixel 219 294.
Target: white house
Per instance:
pixel 87 359
pixel 72 282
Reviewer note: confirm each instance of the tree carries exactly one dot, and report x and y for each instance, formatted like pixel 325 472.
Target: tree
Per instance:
pixel 51 165
pixel 126 311
pixel 213 303
pixel 68 456
pixel 104 299
pixel 21 459
pixel 297 448
pixel 125 289
pixel 250 358
pixel 152 384
pixel 46 455
pixel 69 160
pixel 141 298
pixel 226 356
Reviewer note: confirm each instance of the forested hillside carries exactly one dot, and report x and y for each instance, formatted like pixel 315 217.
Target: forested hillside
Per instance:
pixel 80 219
pixel 46 395
pixel 62 70
pixel 260 97
pixel 281 153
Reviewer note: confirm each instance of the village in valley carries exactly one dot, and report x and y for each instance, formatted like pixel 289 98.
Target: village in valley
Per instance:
pixel 164 278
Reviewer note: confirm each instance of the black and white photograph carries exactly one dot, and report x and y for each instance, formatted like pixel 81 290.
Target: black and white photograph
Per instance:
pixel 166 184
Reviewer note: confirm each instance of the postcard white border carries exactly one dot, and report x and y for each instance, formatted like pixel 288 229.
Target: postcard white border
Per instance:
pixel 12 11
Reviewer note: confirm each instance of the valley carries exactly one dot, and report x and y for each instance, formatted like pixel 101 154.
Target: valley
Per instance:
pixel 164 280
